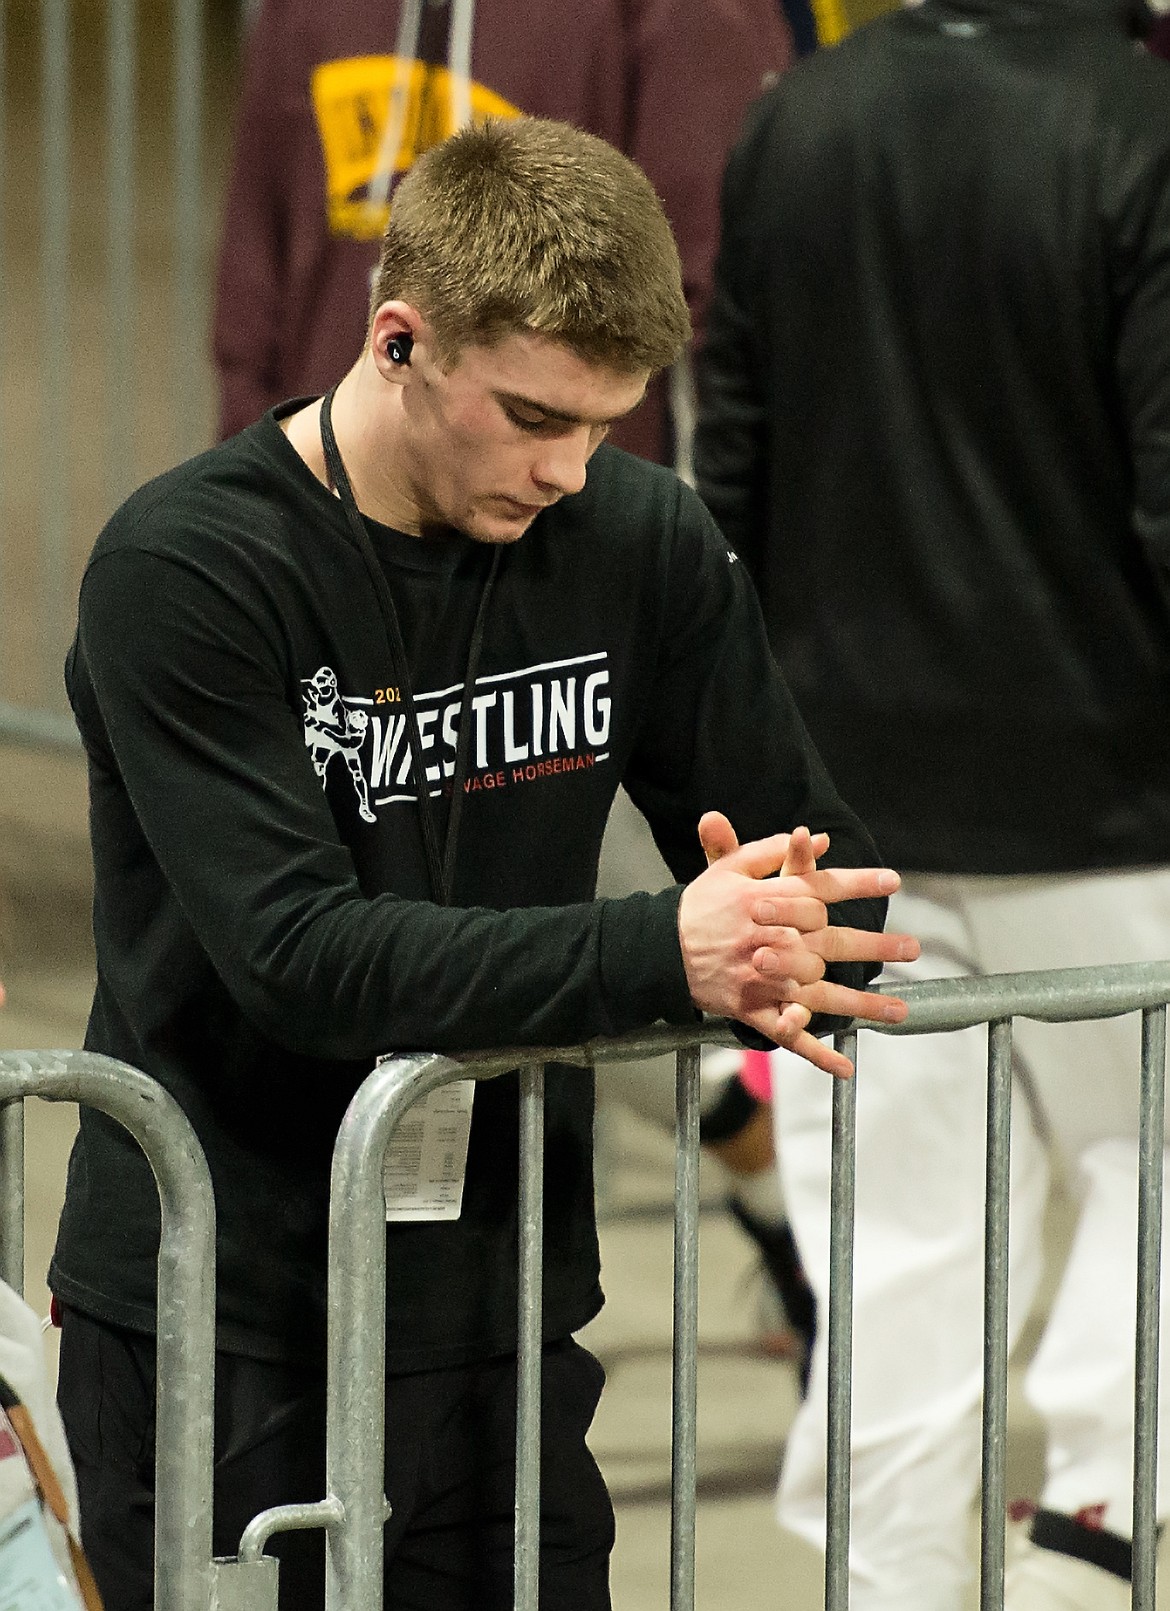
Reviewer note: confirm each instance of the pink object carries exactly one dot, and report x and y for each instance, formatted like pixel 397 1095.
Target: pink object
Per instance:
pixel 755 1075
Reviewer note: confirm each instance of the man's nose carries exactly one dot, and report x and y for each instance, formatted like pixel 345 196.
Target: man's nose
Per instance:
pixel 563 462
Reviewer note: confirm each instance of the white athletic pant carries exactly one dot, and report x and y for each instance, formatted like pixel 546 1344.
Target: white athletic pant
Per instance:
pixel 918 1294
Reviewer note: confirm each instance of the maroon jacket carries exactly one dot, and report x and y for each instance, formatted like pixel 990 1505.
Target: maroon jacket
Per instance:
pixel 1159 39
pixel 667 81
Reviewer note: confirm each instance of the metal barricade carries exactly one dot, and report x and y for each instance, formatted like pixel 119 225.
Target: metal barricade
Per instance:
pixel 354 1510
pixel 1061 996
pixel 184 1574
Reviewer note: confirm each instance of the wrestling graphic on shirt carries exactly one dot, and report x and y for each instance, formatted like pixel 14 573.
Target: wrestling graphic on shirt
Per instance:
pixel 335 726
pixel 539 722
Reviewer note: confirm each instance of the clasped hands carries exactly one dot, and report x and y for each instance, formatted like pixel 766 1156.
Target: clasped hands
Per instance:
pixel 756 938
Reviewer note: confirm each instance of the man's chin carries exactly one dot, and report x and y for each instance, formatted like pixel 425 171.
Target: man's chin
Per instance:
pixel 482 528
pixel 494 527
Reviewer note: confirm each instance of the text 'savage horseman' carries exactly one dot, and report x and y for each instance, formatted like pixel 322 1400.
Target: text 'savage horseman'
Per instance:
pixel 527 724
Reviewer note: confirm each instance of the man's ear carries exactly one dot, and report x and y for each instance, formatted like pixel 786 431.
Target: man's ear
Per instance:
pixel 393 331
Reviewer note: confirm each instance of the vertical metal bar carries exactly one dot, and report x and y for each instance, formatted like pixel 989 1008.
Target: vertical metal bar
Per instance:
pixel 185 1354
pixel 186 1299
pixel 529 1334
pixel 121 63
pixel 188 256
pixel 684 1414
pixel 1151 1147
pixel 995 1314
pixel 355 1410
pixel 840 1362
pixel 56 326
pixel 12 1194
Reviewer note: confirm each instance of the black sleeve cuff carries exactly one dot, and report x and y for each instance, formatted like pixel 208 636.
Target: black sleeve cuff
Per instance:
pixel 641 961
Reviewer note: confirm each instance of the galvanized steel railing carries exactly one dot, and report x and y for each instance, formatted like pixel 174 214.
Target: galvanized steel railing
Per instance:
pixel 184 1573
pixel 1061 996
pixel 355 1508
pixel 354 1511
pixel 187 1579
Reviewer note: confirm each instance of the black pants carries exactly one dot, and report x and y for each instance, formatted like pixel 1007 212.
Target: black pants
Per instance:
pixel 450 1473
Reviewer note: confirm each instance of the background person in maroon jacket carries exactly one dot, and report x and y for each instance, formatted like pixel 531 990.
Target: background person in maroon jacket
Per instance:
pixel 338 100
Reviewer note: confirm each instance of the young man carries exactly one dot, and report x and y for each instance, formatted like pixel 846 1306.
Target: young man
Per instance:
pixel 358 687
pixel 336 103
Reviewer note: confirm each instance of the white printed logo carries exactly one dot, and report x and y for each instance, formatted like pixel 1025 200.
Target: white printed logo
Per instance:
pixel 527 725
pixel 332 728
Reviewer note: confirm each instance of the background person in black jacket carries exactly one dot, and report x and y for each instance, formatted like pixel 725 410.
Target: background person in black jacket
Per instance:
pixel 936 426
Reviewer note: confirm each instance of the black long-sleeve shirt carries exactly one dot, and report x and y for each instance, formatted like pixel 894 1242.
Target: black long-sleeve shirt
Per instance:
pixel 265 925
pixel 936 426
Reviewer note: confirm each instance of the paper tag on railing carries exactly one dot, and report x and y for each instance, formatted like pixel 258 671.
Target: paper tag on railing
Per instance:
pixel 426 1161
pixel 30 1579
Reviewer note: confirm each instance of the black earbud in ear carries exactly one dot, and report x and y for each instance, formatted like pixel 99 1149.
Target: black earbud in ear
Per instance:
pixel 398 349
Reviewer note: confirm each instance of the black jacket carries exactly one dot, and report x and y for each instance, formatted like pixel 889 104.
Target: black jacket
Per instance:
pixel 263 913
pixel 936 426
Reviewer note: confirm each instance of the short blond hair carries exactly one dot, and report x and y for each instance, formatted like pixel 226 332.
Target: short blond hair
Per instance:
pixel 529 225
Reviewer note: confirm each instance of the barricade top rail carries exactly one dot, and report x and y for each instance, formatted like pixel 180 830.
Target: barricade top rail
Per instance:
pixel 149 1112
pixel 357 1268
pixel 1056 995
pixel 357 1260
pixel 658 1041
pixel 1053 996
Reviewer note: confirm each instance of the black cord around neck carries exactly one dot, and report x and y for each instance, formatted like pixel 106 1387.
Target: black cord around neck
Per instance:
pixel 440 864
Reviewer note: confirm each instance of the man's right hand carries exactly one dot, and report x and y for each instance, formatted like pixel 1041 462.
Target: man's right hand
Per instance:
pixel 755 946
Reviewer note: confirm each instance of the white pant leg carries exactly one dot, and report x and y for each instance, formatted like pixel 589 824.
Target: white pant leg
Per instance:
pixel 1086 1074
pixel 918 1281
pixel 1082 1378
pixel 1087 1077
